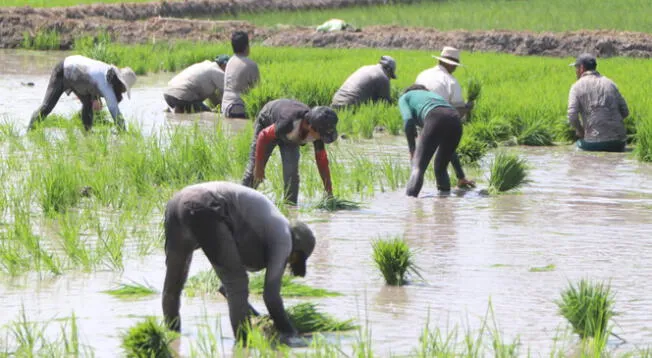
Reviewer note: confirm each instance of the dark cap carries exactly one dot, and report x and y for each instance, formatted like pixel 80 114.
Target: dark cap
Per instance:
pixel 389 65
pixel 587 60
pixel 303 240
pixel 324 120
pixel 222 59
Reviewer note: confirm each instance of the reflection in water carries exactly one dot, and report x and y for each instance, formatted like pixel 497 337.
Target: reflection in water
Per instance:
pixel 588 214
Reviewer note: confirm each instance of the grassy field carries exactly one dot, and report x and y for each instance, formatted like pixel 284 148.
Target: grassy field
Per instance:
pixel 532 15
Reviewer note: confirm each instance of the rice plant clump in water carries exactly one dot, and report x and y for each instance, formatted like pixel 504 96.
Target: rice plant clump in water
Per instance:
pixel 588 307
pixel 508 171
pixel 307 318
pixel 331 203
pixel 394 259
pixel 131 290
pixel 148 339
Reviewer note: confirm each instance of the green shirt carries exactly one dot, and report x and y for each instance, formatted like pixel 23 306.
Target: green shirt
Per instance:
pixel 416 104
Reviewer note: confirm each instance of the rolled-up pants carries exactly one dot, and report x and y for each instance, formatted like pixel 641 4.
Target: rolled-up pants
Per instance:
pixel 290 155
pixel 442 131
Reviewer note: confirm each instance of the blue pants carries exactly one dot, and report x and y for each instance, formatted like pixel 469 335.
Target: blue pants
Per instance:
pixel 608 146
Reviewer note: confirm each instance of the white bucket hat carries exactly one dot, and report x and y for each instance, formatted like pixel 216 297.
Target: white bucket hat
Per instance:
pixel 450 55
pixel 128 77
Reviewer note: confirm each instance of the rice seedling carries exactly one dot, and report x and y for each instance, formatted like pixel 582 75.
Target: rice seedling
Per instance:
pixel 643 139
pixel 289 287
pixel 148 338
pixel 547 268
pixel 395 260
pixel 203 283
pixel 307 318
pixel 41 40
pixel 61 186
pixel 333 203
pixel 131 290
pixel 588 307
pixel 470 150
pixel 508 172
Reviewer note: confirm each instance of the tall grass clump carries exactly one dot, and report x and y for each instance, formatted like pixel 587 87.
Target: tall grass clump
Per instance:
pixel 332 203
pixel 61 187
pixel 131 290
pixel 395 260
pixel 148 339
pixel 508 172
pixel 307 318
pixel 42 40
pixel 588 307
pixel 643 139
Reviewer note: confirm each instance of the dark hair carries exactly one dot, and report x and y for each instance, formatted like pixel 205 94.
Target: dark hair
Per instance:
pixel 415 87
pixel 239 41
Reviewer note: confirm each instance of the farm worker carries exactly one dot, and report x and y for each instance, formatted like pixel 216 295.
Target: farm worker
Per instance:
pixel 603 109
pixel 440 80
pixel 239 230
pixel 89 80
pixel 241 74
pixel 290 124
pixel 441 132
pixel 187 91
pixel 368 83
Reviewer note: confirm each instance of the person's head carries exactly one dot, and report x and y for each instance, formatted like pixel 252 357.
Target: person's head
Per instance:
pixel 389 66
pixel 121 80
pixel 449 58
pixel 415 87
pixel 240 43
pixel 321 121
pixel 303 243
pixel 222 60
pixel 584 62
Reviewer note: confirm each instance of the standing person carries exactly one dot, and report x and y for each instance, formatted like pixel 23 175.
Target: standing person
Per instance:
pixel 89 80
pixel 290 124
pixel 368 83
pixel 603 109
pixel 239 230
pixel 187 91
pixel 241 74
pixel 441 81
pixel 441 133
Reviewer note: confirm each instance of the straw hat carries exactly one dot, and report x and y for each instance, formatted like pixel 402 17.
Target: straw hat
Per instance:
pixel 128 77
pixel 450 55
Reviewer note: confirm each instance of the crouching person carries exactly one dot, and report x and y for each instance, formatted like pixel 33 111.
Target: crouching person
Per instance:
pixel 239 230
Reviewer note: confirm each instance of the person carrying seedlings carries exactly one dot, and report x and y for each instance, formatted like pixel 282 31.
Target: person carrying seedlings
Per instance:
pixel 368 83
pixel 290 124
pixel 187 91
pixel 90 80
pixel 239 230
pixel 441 132
pixel 241 74
pixel 441 81
pixel 602 108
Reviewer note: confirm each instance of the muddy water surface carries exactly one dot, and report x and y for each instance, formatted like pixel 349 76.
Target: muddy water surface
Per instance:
pixel 586 214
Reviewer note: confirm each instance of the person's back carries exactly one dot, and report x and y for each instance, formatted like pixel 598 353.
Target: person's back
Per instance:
pixel 601 106
pixel 84 75
pixel 415 105
pixel 240 76
pixel 368 83
pixel 197 82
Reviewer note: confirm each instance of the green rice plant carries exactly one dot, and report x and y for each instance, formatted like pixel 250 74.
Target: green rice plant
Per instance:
pixel 473 92
pixel 307 318
pixel 508 172
pixel 547 268
pixel 470 150
pixel 588 307
pixel 333 203
pixel 148 338
pixel 395 260
pixel 643 139
pixel 203 283
pixel 534 132
pixel 61 186
pixel 131 290
pixel 78 252
pixel 42 40
pixel 289 287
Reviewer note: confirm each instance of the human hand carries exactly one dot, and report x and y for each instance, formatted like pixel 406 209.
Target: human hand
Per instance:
pixel 97 105
pixel 465 183
pixel 259 176
pixel 293 340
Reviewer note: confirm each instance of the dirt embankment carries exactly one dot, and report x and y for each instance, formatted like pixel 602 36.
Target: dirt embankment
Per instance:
pixel 119 21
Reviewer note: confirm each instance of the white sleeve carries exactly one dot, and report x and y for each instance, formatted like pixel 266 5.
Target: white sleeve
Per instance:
pixel 455 94
pixel 111 101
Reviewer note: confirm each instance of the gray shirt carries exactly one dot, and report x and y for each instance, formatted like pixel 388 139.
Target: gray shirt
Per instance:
pixel 85 76
pixel 241 74
pixel 198 82
pixel 368 83
pixel 597 99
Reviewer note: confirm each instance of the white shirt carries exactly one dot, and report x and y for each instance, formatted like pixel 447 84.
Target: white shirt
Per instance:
pixel 241 74
pixel 198 82
pixel 439 81
pixel 86 76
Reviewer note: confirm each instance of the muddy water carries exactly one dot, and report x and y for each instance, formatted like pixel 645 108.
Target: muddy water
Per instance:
pixel 587 214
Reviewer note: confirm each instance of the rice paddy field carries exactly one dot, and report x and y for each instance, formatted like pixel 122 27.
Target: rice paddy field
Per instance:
pixel 557 267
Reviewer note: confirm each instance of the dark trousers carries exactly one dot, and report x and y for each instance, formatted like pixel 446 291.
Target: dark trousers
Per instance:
pixel 55 89
pixel 290 155
pixel 181 106
pixel 442 131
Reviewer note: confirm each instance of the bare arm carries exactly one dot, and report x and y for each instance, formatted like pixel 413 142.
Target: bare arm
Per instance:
pixel 276 262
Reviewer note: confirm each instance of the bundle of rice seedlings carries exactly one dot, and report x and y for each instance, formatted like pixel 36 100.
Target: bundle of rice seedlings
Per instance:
pixel 332 203
pixel 306 318
pixel 473 89
pixel 508 171
pixel 289 288
pixel 131 290
pixel 205 282
pixel 148 339
pixel 588 307
pixel 394 259
pixel 471 150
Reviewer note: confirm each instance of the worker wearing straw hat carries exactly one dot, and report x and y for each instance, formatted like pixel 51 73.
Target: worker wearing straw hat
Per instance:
pixel 187 91
pixel 440 80
pixel 239 229
pixel 89 79
pixel 368 83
